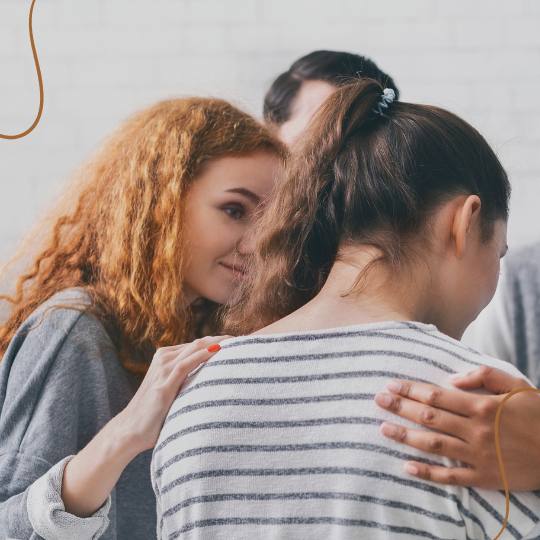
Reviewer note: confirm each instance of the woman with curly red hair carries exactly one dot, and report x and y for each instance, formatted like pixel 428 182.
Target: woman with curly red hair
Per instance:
pixel 149 241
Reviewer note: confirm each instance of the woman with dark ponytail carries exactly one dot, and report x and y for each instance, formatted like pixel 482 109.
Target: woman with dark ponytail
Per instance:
pixel 378 249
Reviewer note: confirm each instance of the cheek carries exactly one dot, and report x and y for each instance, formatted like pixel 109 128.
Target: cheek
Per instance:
pixel 210 236
pixel 224 238
pixel 491 275
pixel 215 245
pixel 496 273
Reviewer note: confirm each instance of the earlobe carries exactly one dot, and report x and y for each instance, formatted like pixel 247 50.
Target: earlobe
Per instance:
pixel 467 215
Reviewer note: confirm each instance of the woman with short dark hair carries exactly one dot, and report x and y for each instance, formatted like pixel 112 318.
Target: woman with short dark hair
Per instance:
pixel 297 93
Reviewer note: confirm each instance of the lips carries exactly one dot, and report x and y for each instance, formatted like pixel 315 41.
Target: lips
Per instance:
pixel 238 271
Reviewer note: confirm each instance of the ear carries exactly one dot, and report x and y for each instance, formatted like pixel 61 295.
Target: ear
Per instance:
pixel 466 217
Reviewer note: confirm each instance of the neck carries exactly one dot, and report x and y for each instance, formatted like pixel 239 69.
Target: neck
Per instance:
pixel 359 293
pixel 379 295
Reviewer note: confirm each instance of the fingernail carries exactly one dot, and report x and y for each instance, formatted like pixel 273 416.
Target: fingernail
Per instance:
pixel 411 469
pixel 394 386
pixel 388 430
pixel 214 347
pixel 384 400
pixel 461 375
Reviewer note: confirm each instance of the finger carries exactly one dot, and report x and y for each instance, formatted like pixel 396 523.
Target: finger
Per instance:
pixel 206 348
pixel 425 415
pixel 201 343
pixel 169 354
pixel 428 441
pixel 188 364
pixel 492 379
pixel 455 401
pixel 174 348
pixel 453 476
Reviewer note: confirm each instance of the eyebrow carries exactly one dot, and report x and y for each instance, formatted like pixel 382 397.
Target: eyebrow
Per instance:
pixel 246 193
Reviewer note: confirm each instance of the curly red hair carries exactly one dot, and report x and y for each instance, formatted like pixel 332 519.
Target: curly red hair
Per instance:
pixel 122 241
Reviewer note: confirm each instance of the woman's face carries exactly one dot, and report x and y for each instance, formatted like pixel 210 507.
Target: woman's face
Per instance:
pixel 220 209
pixel 310 97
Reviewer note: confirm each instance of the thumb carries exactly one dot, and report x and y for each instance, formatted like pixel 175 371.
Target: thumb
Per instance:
pixel 489 378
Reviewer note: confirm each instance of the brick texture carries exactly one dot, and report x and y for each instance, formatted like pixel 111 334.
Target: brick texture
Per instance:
pixel 104 59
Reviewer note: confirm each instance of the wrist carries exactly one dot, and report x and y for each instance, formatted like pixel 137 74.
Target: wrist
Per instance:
pixel 92 474
pixel 121 441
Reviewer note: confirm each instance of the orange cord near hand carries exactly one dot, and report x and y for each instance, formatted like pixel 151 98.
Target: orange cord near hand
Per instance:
pixel 500 461
pixel 40 82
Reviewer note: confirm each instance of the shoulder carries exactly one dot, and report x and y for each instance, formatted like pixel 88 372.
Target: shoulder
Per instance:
pixel 56 316
pixel 60 379
pixel 470 353
pixel 478 359
pixel 62 331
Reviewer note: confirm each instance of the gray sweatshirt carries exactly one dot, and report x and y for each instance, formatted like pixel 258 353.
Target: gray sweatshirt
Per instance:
pixel 60 382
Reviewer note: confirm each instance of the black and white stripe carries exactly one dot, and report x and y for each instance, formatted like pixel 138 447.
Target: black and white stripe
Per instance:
pixel 278 436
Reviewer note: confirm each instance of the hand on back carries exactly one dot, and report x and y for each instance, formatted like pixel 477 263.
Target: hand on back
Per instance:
pixel 462 428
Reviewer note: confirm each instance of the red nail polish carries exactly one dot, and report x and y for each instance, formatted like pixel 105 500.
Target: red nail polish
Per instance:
pixel 214 348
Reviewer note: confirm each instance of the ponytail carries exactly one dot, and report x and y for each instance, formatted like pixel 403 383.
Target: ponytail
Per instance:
pixel 321 224
pixel 367 172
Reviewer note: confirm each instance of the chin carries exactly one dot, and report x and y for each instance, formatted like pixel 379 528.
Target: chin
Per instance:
pixel 219 295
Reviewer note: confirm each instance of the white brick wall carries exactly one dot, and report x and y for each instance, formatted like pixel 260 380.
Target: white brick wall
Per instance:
pixel 103 59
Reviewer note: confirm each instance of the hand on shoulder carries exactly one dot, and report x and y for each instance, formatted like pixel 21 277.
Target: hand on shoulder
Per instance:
pixel 462 428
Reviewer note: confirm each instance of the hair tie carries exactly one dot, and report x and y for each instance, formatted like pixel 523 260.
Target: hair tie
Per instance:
pixel 387 97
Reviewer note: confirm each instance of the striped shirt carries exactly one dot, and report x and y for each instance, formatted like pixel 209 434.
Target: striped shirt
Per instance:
pixel 277 436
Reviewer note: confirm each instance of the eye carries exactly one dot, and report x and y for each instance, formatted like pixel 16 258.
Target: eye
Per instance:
pixel 234 211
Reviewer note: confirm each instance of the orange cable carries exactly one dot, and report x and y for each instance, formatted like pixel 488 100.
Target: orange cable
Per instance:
pixel 500 461
pixel 40 82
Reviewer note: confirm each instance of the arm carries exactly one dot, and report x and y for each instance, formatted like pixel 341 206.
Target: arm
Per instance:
pixel 92 474
pixel 46 387
pixel 463 425
pixel 40 393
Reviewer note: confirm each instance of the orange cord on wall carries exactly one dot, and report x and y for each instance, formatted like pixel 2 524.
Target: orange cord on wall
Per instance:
pixel 500 461
pixel 40 82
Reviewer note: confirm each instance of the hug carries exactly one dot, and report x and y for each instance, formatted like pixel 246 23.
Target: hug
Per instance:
pixel 226 318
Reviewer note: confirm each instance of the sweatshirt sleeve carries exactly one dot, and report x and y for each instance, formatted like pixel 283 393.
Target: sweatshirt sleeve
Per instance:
pixel 53 399
pixel 47 514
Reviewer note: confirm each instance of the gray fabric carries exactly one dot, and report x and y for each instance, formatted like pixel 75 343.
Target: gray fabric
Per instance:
pixel 51 520
pixel 60 382
pixel 277 437
pixel 521 295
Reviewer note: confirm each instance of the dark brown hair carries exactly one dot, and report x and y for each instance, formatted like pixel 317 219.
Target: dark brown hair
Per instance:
pixel 335 67
pixel 364 178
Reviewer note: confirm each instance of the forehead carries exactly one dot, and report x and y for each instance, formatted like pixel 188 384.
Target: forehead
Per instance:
pixel 311 96
pixel 255 172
